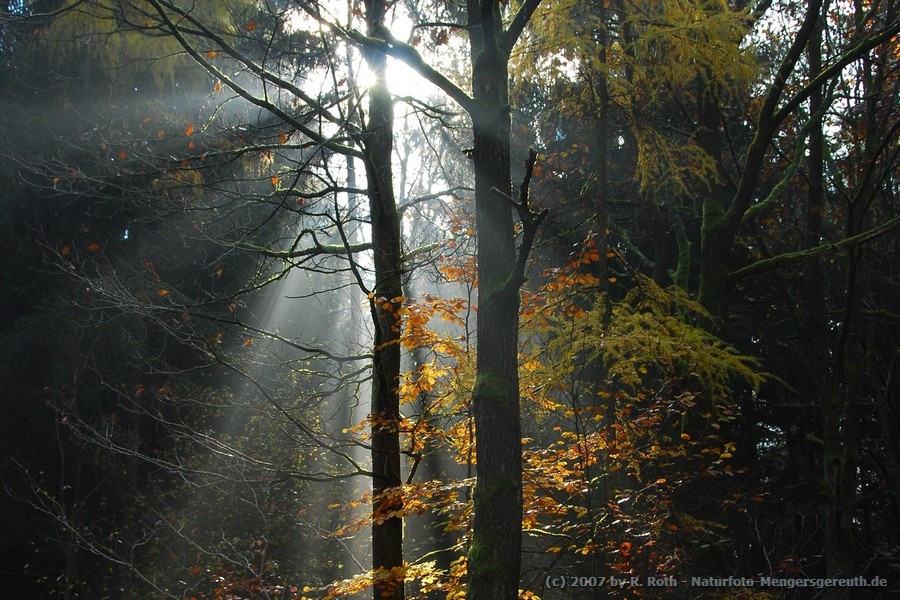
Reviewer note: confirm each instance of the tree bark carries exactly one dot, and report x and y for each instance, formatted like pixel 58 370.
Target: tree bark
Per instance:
pixel 387 524
pixel 494 557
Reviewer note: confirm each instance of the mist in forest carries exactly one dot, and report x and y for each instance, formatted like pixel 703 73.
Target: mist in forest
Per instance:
pixel 428 300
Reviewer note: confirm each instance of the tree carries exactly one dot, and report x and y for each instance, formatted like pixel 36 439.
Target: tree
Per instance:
pixel 495 548
pixel 707 160
pixel 190 212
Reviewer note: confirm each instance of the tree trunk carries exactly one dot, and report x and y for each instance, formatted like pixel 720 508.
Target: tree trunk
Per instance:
pixel 715 239
pixel 721 222
pixel 387 525
pixel 495 552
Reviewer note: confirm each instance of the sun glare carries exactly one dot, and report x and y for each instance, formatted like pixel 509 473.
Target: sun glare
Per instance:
pixel 402 80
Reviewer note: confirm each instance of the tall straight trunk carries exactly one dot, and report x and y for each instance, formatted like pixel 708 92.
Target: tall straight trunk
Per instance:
pixel 495 553
pixel 387 525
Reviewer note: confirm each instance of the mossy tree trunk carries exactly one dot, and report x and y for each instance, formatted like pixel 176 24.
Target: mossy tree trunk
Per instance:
pixel 495 554
pixel 721 220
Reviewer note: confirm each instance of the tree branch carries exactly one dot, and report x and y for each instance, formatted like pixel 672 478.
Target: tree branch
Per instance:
pixel 200 58
pixel 530 220
pixel 410 57
pixel 770 118
pixel 520 20
pixel 774 262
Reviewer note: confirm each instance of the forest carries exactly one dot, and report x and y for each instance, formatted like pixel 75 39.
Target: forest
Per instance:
pixel 420 300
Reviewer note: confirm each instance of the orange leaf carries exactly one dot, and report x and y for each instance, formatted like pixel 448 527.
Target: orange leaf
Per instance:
pixel 189 130
pixel 251 25
pixel 211 54
pixel 122 155
pixel 65 251
pixel 612 279
pixel 93 247
pixel 191 145
pixel 160 134
pixel 217 86
pixel 162 292
pixel 274 180
pixel 282 138
pixel 248 342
